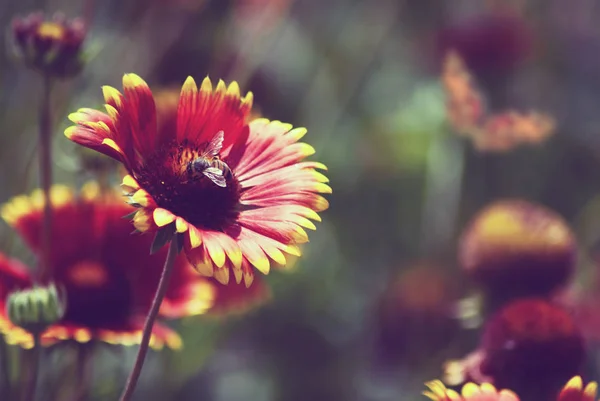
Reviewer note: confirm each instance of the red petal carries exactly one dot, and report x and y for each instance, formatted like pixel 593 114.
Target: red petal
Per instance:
pixel 203 112
pixel 309 199
pixel 271 145
pixel 13 276
pixel 141 114
pixel 92 130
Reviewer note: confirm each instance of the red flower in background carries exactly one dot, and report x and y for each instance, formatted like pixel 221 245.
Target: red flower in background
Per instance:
pixel 532 347
pixel 575 391
pixel 490 132
pixel 50 46
pixel 236 193
pixel 107 274
pixel 572 391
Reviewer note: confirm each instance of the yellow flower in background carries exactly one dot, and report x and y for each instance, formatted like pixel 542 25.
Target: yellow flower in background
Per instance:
pixel 470 392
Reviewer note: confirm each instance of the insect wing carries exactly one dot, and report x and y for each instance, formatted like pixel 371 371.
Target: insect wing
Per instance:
pixel 216 176
pixel 214 146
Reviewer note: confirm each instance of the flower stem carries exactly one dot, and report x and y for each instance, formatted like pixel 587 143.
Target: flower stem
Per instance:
pixel 5 385
pixel 45 148
pixel 84 371
pixel 158 298
pixel 31 384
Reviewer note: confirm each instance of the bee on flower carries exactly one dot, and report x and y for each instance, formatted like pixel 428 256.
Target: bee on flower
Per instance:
pixel 237 194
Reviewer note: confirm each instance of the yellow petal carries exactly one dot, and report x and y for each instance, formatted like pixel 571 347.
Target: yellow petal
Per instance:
pixel 162 217
pixel 181 225
pixel 112 144
pixel 222 275
pixel 194 236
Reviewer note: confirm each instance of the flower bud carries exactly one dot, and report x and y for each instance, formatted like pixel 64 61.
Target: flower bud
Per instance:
pixel 36 308
pixel 514 248
pixel 52 47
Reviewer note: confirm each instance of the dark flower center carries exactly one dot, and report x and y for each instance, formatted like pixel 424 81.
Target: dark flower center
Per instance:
pixel 176 181
pixel 96 296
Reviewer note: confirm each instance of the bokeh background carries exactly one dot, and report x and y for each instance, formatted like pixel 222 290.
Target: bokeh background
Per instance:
pixel 367 312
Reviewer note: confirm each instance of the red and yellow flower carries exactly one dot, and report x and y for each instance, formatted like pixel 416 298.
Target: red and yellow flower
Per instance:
pixel 257 219
pixel 470 392
pixel 52 46
pixel 107 274
pixel 532 345
pixel 572 391
pixel 575 391
pixel 515 248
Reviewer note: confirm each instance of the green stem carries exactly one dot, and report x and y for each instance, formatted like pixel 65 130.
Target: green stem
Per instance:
pixel 161 290
pixel 31 384
pixel 45 148
pixel 84 371
pixel 5 385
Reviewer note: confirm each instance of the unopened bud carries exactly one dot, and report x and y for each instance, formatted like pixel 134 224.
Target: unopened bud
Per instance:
pixel 36 308
pixel 52 47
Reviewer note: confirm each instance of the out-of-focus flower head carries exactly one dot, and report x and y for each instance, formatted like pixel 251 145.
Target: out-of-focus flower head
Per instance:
pixel 515 248
pixel 532 347
pixel 414 315
pixel 53 47
pixel 238 195
pixel 572 391
pixel 498 132
pixel 470 392
pixel 107 275
pixel 575 391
